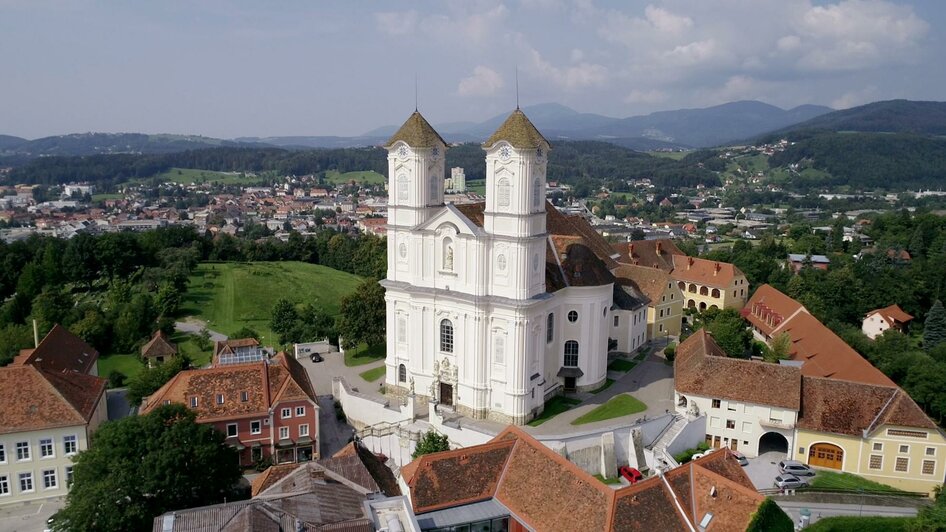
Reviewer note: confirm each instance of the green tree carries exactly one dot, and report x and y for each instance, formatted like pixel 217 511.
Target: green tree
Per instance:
pixel 729 330
pixel 431 442
pixel 362 314
pixel 168 300
pixel 934 327
pixel 14 337
pixel 768 517
pixel 149 380
pixel 284 318
pixel 245 332
pixel 143 466
pixel 779 348
pixel 93 328
pixel 932 518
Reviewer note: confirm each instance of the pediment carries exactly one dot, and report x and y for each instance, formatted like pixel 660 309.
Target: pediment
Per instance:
pixel 450 215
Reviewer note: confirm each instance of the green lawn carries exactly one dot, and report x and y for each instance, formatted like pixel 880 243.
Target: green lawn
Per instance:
pixel 232 295
pixel 127 365
pixel 103 197
pixel 373 374
pixel 187 344
pixel 617 406
pixel 369 177
pixel 610 480
pixel 361 355
pixel 847 481
pixel 476 185
pixel 554 407
pixel 186 176
pixel 845 523
pixel 621 365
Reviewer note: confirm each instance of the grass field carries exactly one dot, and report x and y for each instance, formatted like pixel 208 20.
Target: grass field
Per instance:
pixel 847 481
pixel 232 295
pixel 845 523
pixel 676 155
pixel 373 374
pixel 554 407
pixel 127 365
pixel 103 197
pixel 186 176
pixel 369 177
pixel 361 355
pixel 617 406
pixel 621 365
pixel 476 185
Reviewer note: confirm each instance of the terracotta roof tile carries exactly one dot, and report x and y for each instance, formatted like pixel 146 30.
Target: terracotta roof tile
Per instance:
pixel 34 399
pixel 159 346
pixel 701 367
pixel 60 350
pixel 417 133
pixel 650 281
pixel 657 253
pixel 706 272
pixel 270 476
pixel 647 507
pixel 892 314
pixel 518 131
pixel 458 477
pixel 768 308
pixel 844 407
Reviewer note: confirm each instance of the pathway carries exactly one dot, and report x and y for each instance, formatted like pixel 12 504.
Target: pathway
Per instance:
pixel 820 510
pixel 194 326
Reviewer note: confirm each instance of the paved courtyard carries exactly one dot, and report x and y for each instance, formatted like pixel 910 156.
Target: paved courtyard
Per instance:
pixel 28 517
pixel 763 469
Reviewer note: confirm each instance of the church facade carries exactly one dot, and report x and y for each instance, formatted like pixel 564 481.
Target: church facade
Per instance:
pixel 493 307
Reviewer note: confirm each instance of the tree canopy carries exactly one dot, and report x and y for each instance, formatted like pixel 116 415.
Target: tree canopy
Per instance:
pixel 362 314
pixel 143 466
pixel 431 442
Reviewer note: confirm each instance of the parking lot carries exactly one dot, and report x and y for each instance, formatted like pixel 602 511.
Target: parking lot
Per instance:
pixel 763 469
pixel 28 517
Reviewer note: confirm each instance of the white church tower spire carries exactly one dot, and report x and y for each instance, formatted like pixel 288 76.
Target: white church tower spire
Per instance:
pixel 515 206
pixel 415 172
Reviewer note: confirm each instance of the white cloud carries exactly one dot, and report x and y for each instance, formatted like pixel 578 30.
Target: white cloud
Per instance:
pixel 665 21
pixel 855 98
pixel 693 53
pixel 789 43
pixel 484 82
pixel 578 76
pixel 649 96
pixel 397 23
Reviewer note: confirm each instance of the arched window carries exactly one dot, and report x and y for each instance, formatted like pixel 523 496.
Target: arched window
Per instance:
pixel 682 285
pixel 434 190
pixel 692 288
pixel 401 329
pixel 446 336
pixel 716 292
pixel 549 327
pixel 499 348
pixel 704 291
pixel 502 192
pixel 401 373
pixel 571 354
pixel 536 192
pixel 402 187
pixel 448 254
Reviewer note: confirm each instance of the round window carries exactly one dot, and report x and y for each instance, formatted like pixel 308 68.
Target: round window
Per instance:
pixel 402 250
pixel 572 316
pixel 501 262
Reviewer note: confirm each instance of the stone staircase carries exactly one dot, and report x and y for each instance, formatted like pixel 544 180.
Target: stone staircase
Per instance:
pixel 659 447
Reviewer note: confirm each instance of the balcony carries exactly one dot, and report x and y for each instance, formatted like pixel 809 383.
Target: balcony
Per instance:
pixel 776 424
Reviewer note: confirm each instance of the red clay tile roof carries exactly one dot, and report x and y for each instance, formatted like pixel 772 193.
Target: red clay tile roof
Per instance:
pixel 266 383
pixel 159 346
pixel 60 350
pixel 34 399
pixel 701 367
pixel 270 476
pixel 844 407
pixel 657 253
pixel 826 355
pixel 545 491
pixel 768 308
pixel 652 282
pixel 892 314
pixel 705 272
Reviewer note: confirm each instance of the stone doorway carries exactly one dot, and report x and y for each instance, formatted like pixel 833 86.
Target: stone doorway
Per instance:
pixel 446 394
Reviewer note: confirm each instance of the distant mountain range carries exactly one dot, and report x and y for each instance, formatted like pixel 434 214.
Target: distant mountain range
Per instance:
pixel 684 128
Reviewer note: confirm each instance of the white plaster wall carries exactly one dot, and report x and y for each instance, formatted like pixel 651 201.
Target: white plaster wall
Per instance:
pixel 748 420
pixel 873 326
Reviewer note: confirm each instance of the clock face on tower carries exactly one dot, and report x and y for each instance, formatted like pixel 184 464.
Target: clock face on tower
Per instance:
pixel 539 154
pixel 505 153
pixel 402 152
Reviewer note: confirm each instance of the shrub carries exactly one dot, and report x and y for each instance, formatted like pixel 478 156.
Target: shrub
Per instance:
pixel 670 352
pixel 116 379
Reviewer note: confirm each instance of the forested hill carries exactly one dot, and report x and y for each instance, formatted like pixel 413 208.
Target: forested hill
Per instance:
pixel 579 162
pixel 892 116
pixel 108 143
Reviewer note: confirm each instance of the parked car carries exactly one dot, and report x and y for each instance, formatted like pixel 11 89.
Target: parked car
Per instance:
pixel 631 474
pixel 316 357
pixel 790 482
pixel 796 468
pixel 699 455
pixel 741 458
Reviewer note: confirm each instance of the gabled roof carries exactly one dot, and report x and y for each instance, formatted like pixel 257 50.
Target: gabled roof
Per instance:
pixel 855 408
pixel 544 491
pixel 266 383
pixel 416 132
pixel 892 314
pixel 768 308
pixel 702 368
pixel 652 282
pixel 518 131
pixel 657 253
pixel 228 346
pixel 60 350
pixel 705 272
pixel 159 346
pixel 34 399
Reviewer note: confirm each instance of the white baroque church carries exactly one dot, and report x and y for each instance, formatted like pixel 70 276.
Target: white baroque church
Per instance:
pixel 493 307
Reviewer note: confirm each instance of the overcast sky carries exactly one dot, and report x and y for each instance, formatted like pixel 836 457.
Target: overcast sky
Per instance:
pixel 259 68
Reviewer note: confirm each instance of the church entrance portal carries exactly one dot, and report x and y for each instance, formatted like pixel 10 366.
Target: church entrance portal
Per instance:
pixel 446 394
pixel 773 442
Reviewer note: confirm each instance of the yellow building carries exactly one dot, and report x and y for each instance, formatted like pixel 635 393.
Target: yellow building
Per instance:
pixel 709 283
pixel 665 310
pixel 873 431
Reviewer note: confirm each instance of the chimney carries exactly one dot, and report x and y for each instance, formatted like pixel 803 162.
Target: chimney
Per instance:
pixel 35 334
pixel 716 269
pixel 689 262
pixel 658 247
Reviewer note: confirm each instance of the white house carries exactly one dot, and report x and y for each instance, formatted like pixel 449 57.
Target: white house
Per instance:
pixel 880 320
pixel 492 306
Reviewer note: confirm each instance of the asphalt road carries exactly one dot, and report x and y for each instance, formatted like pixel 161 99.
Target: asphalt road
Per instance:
pixel 821 510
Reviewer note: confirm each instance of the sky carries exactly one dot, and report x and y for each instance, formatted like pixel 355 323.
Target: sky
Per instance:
pixel 265 68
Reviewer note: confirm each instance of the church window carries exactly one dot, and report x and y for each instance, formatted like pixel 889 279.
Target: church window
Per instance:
pixel 572 316
pixel 402 187
pixel 499 347
pixel 501 263
pixel 434 190
pixel 448 254
pixel 571 354
pixel 401 373
pixel 550 327
pixel 536 192
pixel 402 250
pixel 502 192
pixel 401 329
pixel 446 336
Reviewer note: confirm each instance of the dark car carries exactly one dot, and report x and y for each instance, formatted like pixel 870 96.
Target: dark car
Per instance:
pixel 315 357
pixel 631 474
